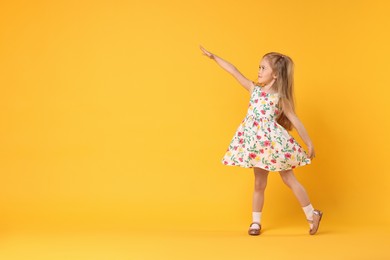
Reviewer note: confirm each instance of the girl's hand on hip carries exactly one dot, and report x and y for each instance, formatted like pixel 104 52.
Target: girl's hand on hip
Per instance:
pixel 207 53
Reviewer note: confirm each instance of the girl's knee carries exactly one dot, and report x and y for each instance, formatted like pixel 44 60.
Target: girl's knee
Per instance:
pixel 261 177
pixel 288 177
pixel 260 185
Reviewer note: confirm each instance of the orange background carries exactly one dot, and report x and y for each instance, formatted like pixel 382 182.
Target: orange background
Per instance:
pixel 111 118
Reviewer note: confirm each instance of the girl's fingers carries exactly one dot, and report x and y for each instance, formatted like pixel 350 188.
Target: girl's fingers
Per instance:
pixel 311 153
pixel 205 52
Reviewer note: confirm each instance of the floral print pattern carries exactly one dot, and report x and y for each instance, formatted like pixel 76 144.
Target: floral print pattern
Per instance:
pixel 260 141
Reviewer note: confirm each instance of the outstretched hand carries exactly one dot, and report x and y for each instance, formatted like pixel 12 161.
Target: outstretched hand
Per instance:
pixel 207 53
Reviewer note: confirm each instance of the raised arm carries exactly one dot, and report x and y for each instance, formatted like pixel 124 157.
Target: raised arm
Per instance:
pixel 246 83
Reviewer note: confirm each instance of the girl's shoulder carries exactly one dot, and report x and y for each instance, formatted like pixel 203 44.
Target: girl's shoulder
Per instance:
pixel 254 86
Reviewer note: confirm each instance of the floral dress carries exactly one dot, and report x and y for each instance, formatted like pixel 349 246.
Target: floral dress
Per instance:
pixel 260 141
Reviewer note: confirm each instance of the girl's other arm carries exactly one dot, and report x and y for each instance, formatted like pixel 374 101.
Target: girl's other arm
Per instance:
pixel 246 83
pixel 287 110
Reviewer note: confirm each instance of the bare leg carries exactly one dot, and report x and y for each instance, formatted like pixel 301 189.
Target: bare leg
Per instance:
pixel 261 177
pixel 312 215
pixel 296 187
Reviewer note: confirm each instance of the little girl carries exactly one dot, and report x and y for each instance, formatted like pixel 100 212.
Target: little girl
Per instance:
pixel 262 142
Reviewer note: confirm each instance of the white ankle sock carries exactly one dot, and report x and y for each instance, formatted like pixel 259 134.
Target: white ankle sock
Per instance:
pixel 256 217
pixel 309 213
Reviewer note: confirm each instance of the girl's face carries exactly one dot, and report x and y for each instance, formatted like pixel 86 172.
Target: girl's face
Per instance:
pixel 266 74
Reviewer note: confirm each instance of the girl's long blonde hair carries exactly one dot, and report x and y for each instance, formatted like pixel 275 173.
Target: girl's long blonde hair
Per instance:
pixel 283 67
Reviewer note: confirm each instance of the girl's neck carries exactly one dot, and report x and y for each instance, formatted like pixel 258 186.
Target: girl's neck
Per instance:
pixel 268 87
